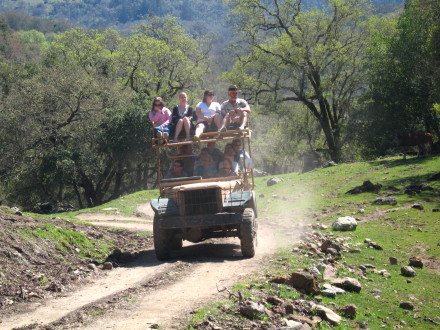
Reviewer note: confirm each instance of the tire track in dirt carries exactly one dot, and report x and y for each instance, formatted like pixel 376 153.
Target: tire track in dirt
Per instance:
pixel 170 306
pixel 213 264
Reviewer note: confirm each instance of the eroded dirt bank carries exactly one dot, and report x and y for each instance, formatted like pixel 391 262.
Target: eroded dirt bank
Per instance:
pixel 146 293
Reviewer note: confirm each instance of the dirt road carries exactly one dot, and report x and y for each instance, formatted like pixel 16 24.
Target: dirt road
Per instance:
pixel 147 293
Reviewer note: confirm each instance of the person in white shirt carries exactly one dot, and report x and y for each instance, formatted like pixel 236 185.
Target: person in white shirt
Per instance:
pixel 208 115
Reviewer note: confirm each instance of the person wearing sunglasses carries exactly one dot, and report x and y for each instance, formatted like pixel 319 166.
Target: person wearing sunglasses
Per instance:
pixel 160 117
pixel 177 170
pixel 208 115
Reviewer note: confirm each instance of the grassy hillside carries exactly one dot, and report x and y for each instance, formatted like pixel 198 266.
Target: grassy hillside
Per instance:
pixel 316 199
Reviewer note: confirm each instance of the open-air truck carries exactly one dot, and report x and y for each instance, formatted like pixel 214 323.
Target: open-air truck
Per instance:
pixel 196 209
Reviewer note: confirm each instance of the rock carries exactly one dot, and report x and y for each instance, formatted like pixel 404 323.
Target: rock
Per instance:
pixel 408 271
pixel 250 309
pixel 321 266
pixel 375 246
pixel 93 267
pixel 347 283
pixel 406 305
pixel 354 251
pixel 274 300
pixel 327 314
pixel 328 244
pixel 367 186
pixel 332 252
pixel 416 262
pixel 304 319
pixel 345 224
pixel 349 311
pixel 393 261
pixel 329 272
pixel 385 201
pixel 334 288
pixel 304 281
pixel 418 206
pixel 295 325
pixel 273 181
pixel 261 196
pixel 280 280
pixel 329 164
pixel 436 210
pixel 328 293
pixel 361 211
pixel 107 266
pixel 376 291
pixel 315 271
pixel 417 187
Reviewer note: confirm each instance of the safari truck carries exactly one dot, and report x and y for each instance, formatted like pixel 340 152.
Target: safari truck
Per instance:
pixel 196 208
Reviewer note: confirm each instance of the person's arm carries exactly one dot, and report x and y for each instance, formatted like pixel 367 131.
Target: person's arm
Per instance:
pixel 167 114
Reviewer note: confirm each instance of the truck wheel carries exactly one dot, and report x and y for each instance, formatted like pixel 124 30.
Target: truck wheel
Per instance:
pixel 248 234
pixel 161 241
pixel 176 242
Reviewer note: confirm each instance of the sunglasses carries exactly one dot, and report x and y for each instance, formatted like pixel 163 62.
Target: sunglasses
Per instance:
pixel 232 89
pixel 209 94
pixel 158 105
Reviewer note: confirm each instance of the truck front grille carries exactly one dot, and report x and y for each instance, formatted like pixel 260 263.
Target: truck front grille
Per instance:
pixel 200 201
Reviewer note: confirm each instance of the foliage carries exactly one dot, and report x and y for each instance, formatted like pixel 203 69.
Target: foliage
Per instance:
pixel 404 71
pixel 77 127
pixel 313 57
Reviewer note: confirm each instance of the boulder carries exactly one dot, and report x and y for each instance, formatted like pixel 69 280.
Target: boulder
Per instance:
pixel 304 281
pixel 416 262
pixel 385 201
pixel 367 186
pixel 327 314
pixel 273 181
pixel 408 271
pixel 406 305
pixel 344 224
pixel 347 283
pixel 349 311
pixel 251 309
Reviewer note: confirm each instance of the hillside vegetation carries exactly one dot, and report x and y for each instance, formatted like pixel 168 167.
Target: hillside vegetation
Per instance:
pixel 316 200
pixel 326 80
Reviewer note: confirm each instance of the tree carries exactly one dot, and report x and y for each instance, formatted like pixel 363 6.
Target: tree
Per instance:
pixel 314 57
pixel 404 75
pixel 159 59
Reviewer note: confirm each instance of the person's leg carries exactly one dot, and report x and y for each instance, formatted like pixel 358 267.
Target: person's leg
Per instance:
pixel 218 120
pixel 199 130
pixel 178 129
pixel 186 126
pixel 225 122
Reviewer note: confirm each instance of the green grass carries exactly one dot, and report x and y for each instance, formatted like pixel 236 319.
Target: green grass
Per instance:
pixel 68 241
pixel 402 233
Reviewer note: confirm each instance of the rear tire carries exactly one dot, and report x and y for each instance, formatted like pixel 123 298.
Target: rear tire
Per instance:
pixel 248 233
pixel 161 241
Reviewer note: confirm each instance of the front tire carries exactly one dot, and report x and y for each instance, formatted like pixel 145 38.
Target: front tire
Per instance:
pixel 248 234
pixel 161 241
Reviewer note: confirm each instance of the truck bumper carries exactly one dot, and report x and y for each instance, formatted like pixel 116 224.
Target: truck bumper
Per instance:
pixel 207 220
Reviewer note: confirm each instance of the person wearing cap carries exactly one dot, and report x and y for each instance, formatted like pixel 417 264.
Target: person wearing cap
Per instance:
pixel 208 115
pixel 234 111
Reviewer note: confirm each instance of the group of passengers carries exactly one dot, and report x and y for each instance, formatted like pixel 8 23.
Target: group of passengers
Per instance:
pixel 210 116
pixel 211 162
